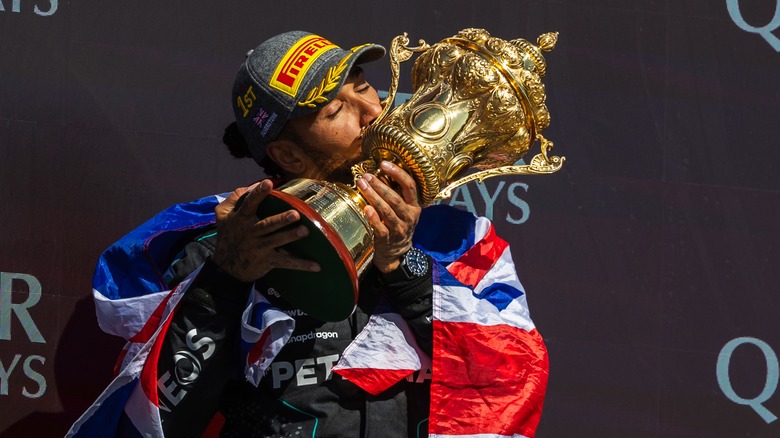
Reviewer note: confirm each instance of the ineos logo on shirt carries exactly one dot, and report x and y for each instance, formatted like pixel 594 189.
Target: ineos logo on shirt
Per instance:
pixel 187 367
pixel 187 364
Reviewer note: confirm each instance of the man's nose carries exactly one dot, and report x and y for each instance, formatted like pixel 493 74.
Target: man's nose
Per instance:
pixel 370 109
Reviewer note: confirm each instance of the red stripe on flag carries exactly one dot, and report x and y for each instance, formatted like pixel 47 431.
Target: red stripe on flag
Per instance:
pixel 477 261
pixel 148 375
pixel 258 348
pixel 487 380
pixel 119 360
pixel 152 323
pixel 372 380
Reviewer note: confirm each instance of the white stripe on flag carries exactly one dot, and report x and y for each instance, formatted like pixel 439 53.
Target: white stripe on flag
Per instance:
pixel 144 415
pixel 125 317
pixel 460 303
pixel 383 353
pixel 269 332
pixel 481 228
pixel 386 342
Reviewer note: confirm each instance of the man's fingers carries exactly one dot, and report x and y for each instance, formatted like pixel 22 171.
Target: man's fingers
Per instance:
pixel 378 194
pixel 275 222
pixel 285 261
pixel 281 257
pixel 281 238
pixel 236 195
pixel 380 230
pixel 405 182
pixel 228 204
pixel 254 197
pixel 392 210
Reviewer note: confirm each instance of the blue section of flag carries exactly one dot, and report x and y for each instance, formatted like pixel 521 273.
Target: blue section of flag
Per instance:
pixel 499 294
pixel 257 313
pixel 107 420
pixel 436 230
pixel 443 277
pixel 134 265
pixel 256 321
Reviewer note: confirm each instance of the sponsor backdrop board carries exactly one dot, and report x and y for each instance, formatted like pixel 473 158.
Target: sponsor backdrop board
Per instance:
pixel 651 260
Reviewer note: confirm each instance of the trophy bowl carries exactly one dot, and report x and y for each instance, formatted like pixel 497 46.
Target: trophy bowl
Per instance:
pixel 478 104
pixel 340 240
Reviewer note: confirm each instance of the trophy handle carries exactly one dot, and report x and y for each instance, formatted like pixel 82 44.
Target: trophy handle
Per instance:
pixel 541 164
pixel 399 52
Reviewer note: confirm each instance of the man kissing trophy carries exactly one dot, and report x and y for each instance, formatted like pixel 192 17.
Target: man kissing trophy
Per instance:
pixel 478 104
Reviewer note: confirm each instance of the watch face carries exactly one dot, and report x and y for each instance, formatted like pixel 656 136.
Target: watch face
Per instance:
pixel 417 262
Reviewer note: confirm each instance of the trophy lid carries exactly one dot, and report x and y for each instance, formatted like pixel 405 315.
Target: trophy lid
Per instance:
pixel 520 61
pixel 545 43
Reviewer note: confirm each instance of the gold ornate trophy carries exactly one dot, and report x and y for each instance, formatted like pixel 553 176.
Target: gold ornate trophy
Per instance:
pixel 478 103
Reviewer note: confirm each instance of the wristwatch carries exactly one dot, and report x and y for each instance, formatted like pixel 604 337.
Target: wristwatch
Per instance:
pixel 413 265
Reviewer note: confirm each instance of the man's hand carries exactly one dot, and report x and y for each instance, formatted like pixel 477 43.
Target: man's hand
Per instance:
pixel 246 246
pixel 392 216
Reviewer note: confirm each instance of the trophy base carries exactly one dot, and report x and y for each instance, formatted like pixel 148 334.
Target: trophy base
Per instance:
pixel 339 240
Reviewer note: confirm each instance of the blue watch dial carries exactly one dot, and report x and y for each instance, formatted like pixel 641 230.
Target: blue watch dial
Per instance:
pixel 416 262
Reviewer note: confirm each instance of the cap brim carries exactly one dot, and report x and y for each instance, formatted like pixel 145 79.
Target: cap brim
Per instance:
pixel 369 53
pixel 358 55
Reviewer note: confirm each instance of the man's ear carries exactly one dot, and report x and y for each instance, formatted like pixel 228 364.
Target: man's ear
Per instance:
pixel 288 156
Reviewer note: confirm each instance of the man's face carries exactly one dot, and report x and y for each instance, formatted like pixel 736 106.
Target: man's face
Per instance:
pixel 330 136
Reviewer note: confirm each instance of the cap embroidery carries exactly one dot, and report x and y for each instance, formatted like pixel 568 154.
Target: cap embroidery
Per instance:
pixel 260 118
pixel 296 62
pixel 331 80
pixel 246 101
pixel 263 120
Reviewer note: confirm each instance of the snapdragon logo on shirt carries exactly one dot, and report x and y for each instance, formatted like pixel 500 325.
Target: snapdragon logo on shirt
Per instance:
pixel 313 335
pixel 44 8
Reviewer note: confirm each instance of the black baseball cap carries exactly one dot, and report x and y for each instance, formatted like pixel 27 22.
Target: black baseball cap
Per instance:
pixel 288 76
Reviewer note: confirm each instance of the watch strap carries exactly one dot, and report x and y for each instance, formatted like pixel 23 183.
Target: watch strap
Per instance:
pixel 414 264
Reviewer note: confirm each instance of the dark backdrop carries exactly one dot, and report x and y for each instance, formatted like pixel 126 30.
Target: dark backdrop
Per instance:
pixel 651 260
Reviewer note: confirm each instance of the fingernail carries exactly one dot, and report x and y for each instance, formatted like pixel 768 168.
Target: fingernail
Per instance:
pixel 265 185
pixel 386 165
pixel 315 267
pixel 362 183
pixel 291 216
pixel 302 231
pixel 368 177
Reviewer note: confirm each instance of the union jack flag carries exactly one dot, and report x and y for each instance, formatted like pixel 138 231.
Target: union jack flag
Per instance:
pixel 260 118
pixel 489 364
